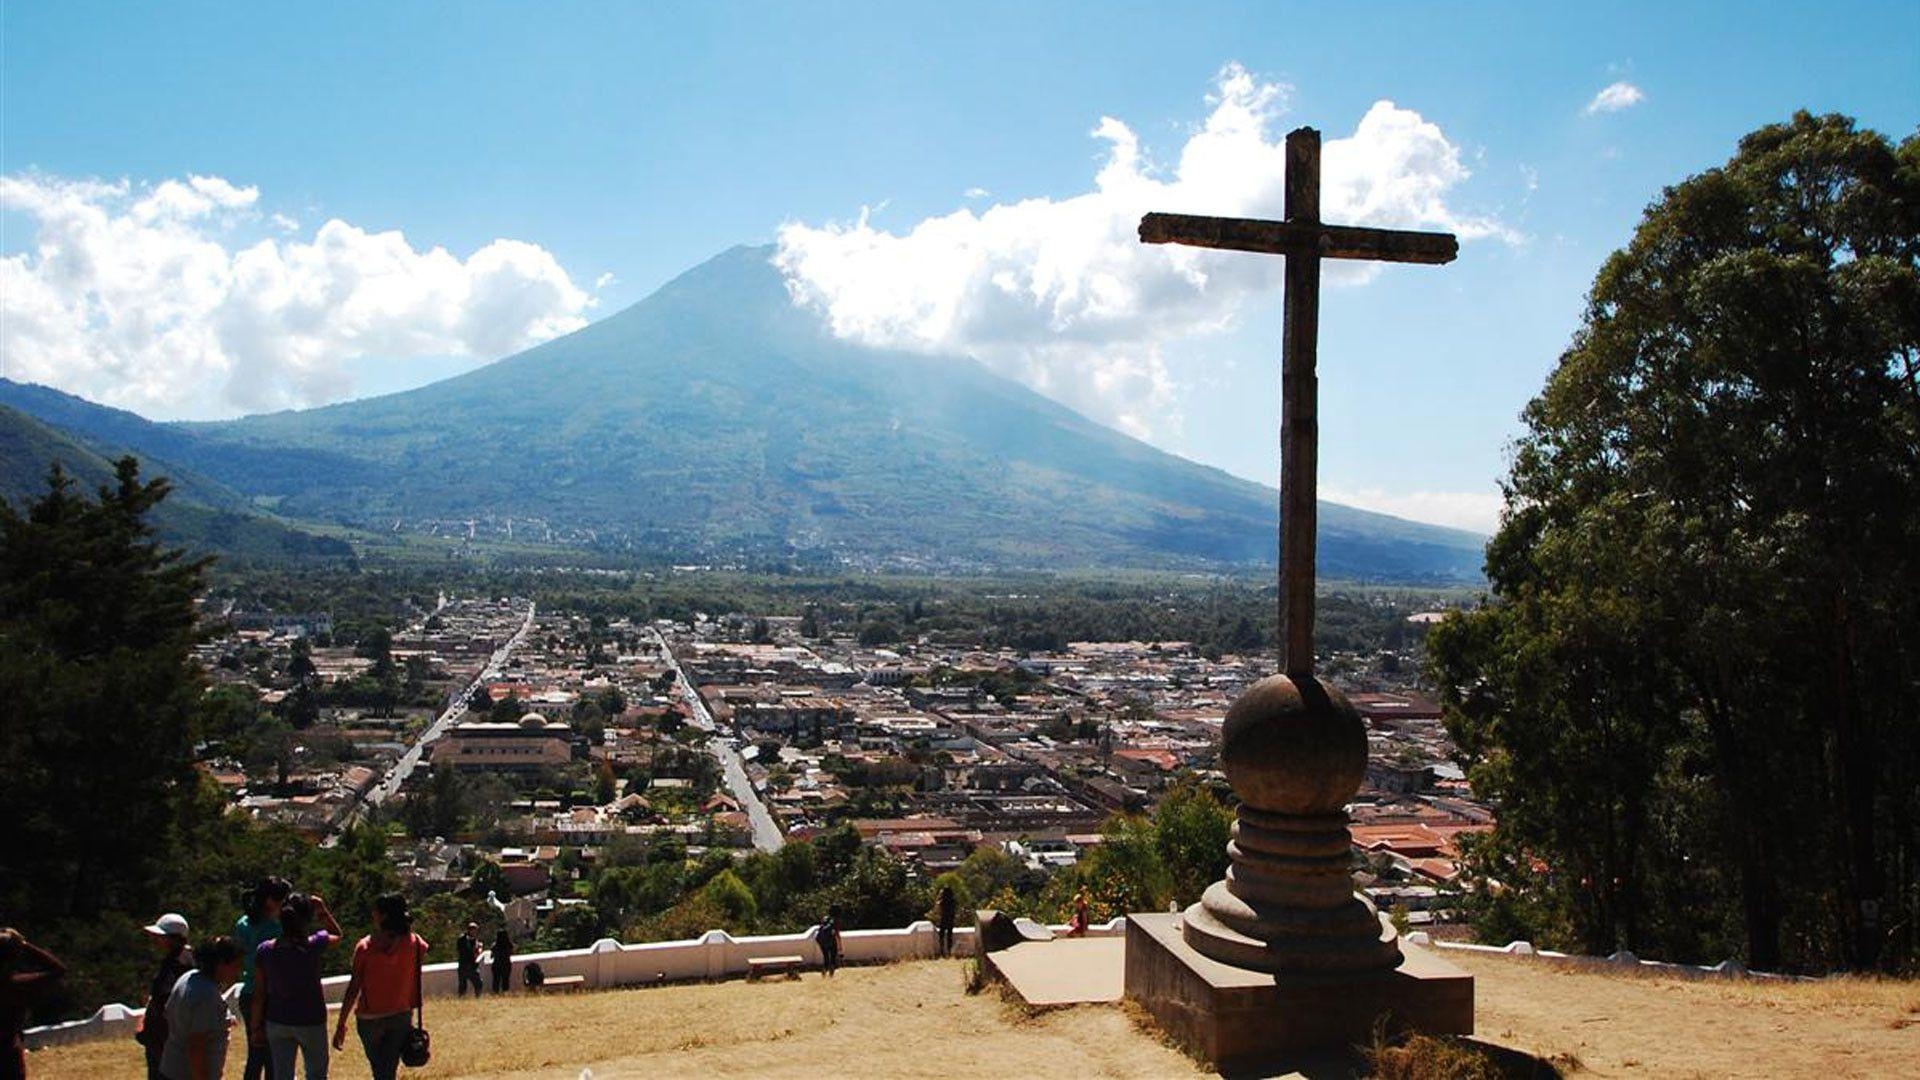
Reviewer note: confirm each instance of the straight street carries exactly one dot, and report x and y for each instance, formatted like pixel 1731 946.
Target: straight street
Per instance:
pixel 390 785
pixel 766 834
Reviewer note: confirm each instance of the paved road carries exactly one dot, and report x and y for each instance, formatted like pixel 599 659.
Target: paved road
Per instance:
pixel 390 785
pixel 766 834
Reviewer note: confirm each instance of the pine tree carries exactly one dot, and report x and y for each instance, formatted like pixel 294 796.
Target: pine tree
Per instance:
pixel 97 621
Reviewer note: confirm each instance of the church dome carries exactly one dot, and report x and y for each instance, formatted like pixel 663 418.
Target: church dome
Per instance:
pixel 533 720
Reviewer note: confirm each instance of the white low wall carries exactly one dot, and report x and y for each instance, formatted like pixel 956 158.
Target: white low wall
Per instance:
pixel 1723 969
pixel 714 955
pixel 718 955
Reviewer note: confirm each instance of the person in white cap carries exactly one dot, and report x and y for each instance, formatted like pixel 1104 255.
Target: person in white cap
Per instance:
pixel 168 933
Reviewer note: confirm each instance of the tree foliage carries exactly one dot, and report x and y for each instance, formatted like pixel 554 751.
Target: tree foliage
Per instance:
pixel 96 626
pixel 1692 693
pixel 106 820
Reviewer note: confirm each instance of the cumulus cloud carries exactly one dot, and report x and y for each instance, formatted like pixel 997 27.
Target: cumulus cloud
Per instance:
pixel 1060 293
pixel 1616 96
pixel 1476 511
pixel 152 297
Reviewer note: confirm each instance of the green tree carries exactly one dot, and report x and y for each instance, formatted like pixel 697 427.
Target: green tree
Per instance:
pixel 1125 870
pixel 731 897
pixel 963 898
pixel 300 664
pixel 298 708
pixel 1692 691
pixel 269 750
pixel 377 645
pixel 574 926
pixel 989 870
pixel 878 892
pixel 1191 827
pixel 606 786
pixel 97 624
pixel 489 878
pixel 228 713
pixel 418 670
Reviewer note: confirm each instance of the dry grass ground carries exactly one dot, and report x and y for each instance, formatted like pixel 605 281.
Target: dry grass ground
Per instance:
pixel 904 1020
pixel 914 1020
pixel 1634 1024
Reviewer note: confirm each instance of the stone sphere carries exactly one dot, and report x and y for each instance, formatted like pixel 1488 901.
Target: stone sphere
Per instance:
pixel 1294 749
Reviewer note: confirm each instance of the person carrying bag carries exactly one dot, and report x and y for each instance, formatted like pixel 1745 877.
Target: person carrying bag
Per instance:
pixel 419 1046
pixel 385 992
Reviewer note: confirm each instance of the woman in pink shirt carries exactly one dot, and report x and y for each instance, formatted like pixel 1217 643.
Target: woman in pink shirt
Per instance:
pixel 385 986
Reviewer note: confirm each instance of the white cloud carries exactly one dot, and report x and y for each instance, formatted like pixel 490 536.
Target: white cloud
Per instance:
pixel 1478 511
pixel 605 280
pixel 1060 293
pixel 977 193
pixel 1616 96
pixel 152 297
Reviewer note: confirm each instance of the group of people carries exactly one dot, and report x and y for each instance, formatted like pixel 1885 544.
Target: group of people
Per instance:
pixel 275 953
pixel 468 957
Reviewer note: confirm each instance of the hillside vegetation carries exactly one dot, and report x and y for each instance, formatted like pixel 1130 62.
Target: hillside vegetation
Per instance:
pixel 202 515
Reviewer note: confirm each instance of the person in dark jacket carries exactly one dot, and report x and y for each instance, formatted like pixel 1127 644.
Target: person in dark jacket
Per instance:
pixel 466 954
pixel 502 961
pixel 168 934
pixel 943 910
pixel 827 936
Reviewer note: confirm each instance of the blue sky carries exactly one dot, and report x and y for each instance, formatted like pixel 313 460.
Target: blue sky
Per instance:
pixel 615 146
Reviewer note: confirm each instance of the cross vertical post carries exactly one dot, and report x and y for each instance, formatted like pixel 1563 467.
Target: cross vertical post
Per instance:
pixel 1299 420
pixel 1305 241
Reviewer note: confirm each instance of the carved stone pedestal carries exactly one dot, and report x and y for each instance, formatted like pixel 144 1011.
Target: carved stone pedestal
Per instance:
pixel 1238 1019
pixel 1282 955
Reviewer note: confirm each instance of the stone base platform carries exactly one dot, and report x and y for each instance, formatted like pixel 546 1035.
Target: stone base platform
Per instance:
pixel 1064 971
pixel 1238 1019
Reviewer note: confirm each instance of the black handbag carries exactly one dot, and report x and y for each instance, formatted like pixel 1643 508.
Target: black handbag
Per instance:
pixel 419 1045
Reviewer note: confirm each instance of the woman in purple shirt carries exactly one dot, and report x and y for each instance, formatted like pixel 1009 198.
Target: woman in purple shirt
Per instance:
pixel 289 1009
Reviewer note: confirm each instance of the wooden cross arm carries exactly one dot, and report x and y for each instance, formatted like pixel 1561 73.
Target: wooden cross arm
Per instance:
pixel 1297 238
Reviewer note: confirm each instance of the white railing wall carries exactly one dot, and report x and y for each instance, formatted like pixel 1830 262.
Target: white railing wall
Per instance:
pixel 714 955
pixel 1622 959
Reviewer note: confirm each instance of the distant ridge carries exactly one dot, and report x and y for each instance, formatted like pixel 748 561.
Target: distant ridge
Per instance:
pixel 199 513
pixel 714 417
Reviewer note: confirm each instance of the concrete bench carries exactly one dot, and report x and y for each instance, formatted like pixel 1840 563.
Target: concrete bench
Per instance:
pixel 564 982
pixel 761 965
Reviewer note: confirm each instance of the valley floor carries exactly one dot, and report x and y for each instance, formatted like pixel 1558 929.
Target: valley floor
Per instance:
pixel 914 1020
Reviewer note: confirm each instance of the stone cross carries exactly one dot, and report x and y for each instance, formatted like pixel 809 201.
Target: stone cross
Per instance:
pixel 1304 240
